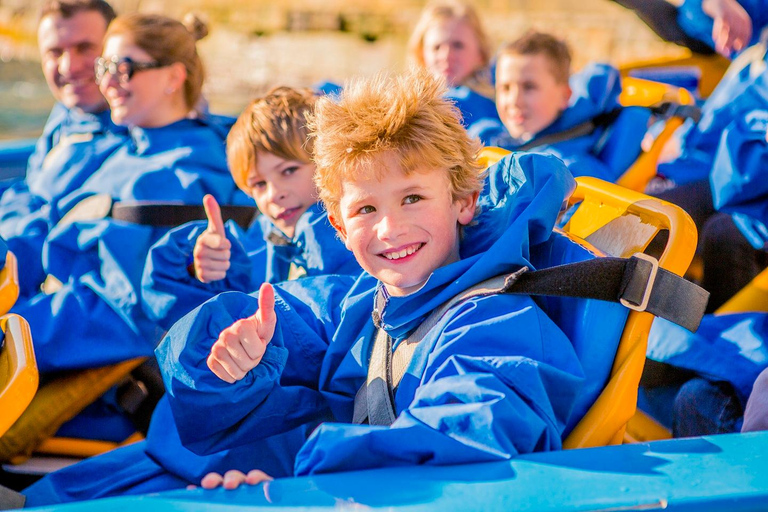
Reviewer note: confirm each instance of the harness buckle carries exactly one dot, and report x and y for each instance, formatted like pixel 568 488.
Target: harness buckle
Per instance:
pixel 647 286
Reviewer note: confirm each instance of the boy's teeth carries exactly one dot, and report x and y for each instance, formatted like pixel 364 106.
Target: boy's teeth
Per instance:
pixel 402 254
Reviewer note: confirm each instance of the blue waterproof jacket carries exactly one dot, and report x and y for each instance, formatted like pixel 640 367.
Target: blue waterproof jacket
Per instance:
pixel 161 462
pixel 696 24
pixel 744 88
pixel 739 178
pixel 606 152
pixel 260 254
pixel 73 146
pixel 473 105
pixel 95 318
pixel 494 378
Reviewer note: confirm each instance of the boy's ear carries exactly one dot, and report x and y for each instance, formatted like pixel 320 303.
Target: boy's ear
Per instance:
pixel 566 96
pixel 467 206
pixel 339 226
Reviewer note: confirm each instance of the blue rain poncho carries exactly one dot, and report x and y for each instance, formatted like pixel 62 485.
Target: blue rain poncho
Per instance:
pixel 95 318
pixel 73 146
pixel 495 378
pixel 606 152
pixel 260 254
pixel 743 89
pixel 739 178
pixel 161 462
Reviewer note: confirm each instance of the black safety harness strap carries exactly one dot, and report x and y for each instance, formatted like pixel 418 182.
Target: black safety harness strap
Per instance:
pixel 637 282
pixel 169 214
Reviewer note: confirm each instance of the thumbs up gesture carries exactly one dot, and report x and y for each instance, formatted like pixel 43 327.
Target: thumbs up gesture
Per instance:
pixel 212 249
pixel 241 346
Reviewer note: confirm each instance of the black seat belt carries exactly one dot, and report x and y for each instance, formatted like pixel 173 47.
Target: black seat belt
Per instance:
pixel 637 282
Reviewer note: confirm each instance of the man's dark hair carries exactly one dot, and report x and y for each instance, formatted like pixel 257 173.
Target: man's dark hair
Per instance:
pixel 68 8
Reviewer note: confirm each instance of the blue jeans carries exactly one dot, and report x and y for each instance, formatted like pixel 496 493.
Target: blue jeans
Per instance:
pixel 703 407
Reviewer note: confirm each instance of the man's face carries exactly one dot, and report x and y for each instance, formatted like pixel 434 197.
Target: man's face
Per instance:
pixel 68 49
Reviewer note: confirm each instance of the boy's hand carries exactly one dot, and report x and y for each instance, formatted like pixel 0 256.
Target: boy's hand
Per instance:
pixel 241 346
pixel 212 249
pixel 233 478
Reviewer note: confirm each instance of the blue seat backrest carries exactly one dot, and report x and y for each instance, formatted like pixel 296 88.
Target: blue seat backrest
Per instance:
pixel 624 137
pixel 593 326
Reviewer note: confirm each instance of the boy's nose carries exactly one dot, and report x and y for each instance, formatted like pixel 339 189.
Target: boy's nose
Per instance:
pixel 390 227
pixel 275 194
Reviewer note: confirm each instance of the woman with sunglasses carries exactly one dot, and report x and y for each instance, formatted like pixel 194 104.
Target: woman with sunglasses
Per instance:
pixel 151 76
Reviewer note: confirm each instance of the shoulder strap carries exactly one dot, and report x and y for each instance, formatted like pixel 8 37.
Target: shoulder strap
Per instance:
pixel 374 401
pixel 170 214
pixel 581 129
pixel 638 283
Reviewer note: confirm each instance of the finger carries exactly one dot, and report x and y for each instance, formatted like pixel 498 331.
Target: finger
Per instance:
pixel 257 476
pixel 234 339
pixel 191 487
pixel 213 212
pixel 250 341
pixel 233 478
pixel 211 481
pixel 266 313
pixel 212 242
pixel 218 369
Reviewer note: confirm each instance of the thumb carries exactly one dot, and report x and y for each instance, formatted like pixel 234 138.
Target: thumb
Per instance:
pixel 213 212
pixel 265 316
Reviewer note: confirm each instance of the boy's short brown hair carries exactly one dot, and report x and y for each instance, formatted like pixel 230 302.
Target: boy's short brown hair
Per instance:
pixel 540 43
pixel 404 114
pixel 275 123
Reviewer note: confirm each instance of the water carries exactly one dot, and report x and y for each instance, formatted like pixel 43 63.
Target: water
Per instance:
pixel 25 100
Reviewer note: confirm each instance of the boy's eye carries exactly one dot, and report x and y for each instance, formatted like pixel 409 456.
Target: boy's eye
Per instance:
pixel 366 209
pixel 413 198
pixel 290 170
pixel 458 45
pixel 259 184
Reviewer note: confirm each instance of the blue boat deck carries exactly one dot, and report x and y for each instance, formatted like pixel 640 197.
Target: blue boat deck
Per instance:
pixel 726 472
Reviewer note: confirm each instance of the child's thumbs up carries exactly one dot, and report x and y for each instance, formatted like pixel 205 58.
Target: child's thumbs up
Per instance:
pixel 241 346
pixel 213 212
pixel 212 248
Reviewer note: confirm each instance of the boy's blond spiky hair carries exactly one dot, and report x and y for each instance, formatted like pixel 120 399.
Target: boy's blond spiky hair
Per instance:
pixel 275 123
pixel 405 114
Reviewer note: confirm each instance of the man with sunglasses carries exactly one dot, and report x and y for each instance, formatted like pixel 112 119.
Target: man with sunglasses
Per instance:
pixel 78 136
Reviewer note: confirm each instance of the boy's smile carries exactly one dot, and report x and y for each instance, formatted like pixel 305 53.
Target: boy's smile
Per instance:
pixel 402 227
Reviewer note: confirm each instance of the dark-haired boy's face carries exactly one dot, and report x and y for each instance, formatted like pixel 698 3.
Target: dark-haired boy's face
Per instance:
pixel 402 227
pixel 68 49
pixel 528 95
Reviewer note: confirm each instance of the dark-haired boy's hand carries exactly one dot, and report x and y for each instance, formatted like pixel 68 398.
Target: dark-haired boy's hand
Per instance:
pixel 212 248
pixel 241 346
pixel 732 26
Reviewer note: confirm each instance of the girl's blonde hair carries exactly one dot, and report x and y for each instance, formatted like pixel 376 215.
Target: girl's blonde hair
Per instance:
pixel 442 10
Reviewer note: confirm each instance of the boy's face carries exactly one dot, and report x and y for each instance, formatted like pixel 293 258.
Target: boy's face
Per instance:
pixel 402 227
pixel 283 189
pixel 451 50
pixel 528 96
